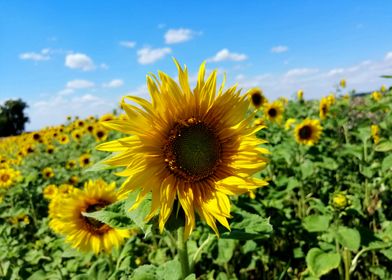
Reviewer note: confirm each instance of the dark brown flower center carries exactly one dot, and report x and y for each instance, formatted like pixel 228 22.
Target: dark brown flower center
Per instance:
pixel 192 151
pixel 92 224
pixel 5 177
pixel 257 99
pixel 272 112
pixel 100 134
pixel 305 132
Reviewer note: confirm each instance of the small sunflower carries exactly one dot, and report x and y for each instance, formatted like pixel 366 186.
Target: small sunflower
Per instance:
pixel 342 83
pixel 100 134
pixel 73 180
pixel 36 136
pixel 6 177
pixel 300 95
pixel 90 128
pixel 274 111
pixel 50 191
pixel 47 172
pixel 77 134
pixel 289 123
pixel 375 133
pixel 50 149
pixel 70 164
pixel 63 139
pixel 197 146
pixel 324 108
pixel 376 95
pixel 85 160
pixel 308 132
pixel 383 89
pixel 84 233
pixel 256 97
pixel 107 117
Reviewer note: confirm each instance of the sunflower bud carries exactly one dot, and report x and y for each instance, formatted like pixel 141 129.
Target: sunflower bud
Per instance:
pixel 339 200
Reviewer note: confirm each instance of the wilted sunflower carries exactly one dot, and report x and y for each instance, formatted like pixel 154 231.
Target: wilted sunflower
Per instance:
pixel 274 111
pixel 308 132
pixel 84 233
pixel 256 97
pixel 324 107
pixel 198 146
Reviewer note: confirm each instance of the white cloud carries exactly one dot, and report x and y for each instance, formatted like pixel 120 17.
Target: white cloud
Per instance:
pixel 279 49
pixel 66 91
pixel 114 83
pixel 175 36
pixel 388 56
pixel 225 54
pixel 104 66
pixel 363 77
pixel 79 61
pixel 79 84
pixel 44 54
pixel 300 72
pixel 128 44
pixel 148 55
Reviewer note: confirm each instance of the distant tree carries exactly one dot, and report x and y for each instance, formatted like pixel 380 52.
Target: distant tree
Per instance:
pixel 12 117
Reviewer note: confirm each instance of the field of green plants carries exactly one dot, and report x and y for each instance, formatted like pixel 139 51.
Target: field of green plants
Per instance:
pixel 325 213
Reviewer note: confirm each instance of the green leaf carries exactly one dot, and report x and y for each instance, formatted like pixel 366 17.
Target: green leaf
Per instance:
pixel 145 272
pixel 329 163
pixel 386 76
pixel 387 163
pixel 387 253
pixel 320 262
pixel 225 250
pixel 170 270
pixel 349 238
pixel 139 214
pixel 246 226
pixel 307 169
pixel 191 277
pixel 113 215
pixel 384 147
pixel 316 223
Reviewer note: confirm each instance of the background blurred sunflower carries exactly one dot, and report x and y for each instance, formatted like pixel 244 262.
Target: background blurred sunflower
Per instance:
pixel 197 146
pixel 256 97
pixel 274 111
pixel 308 132
pixel 85 233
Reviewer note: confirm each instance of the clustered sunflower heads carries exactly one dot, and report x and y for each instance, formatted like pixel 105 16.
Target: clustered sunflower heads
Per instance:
pixel 194 146
pixel 84 233
pixel 308 132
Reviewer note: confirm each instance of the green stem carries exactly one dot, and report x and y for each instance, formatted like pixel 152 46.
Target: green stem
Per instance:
pixel 347 263
pixel 182 249
pixel 200 250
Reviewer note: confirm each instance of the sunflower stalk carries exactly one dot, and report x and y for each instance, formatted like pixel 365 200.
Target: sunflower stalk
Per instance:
pixel 182 249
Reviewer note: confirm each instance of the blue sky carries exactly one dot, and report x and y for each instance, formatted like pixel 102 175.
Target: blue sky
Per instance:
pixel 79 57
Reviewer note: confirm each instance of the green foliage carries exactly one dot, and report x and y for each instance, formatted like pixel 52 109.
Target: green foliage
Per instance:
pixel 12 117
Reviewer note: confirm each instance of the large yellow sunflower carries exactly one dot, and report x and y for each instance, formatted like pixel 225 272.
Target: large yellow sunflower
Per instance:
pixel 83 233
pixel 197 146
pixel 274 111
pixel 308 132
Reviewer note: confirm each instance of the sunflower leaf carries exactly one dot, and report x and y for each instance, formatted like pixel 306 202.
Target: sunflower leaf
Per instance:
pixel 138 215
pixel 113 215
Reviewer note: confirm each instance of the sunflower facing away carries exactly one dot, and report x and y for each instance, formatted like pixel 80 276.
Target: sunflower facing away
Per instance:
pixel 308 132
pixel 83 233
pixel 197 146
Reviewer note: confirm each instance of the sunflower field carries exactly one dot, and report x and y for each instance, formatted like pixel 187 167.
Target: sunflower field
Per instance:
pixel 203 183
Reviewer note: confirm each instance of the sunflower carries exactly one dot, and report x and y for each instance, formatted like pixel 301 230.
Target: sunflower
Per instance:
pixel 106 117
pixel 308 132
pixel 100 134
pixel 197 146
pixel 256 97
pixel 36 136
pixel 324 107
pixel 77 134
pixel 342 83
pixel 63 139
pixel 50 149
pixel 300 95
pixel 70 164
pixel 289 123
pixel 90 128
pixel 47 172
pixel 50 191
pixel 375 133
pixel 84 233
pixel 274 111
pixel 85 160
pixel 376 95
pixel 73 180
pixel 6 177
pixel 383 89
pixel 331 99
